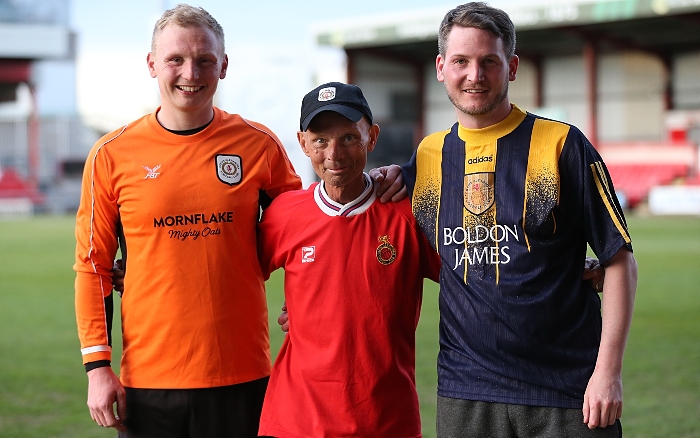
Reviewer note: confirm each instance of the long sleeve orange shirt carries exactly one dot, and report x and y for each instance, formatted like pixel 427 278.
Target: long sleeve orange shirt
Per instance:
pixel 194 312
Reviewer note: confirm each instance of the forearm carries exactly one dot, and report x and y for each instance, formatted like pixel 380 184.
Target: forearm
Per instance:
pixel 618 303
pixel 94 311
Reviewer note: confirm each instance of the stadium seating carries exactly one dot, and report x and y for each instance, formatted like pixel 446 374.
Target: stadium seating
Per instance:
pixel 692 180
pixel 13 185
pixel 636 180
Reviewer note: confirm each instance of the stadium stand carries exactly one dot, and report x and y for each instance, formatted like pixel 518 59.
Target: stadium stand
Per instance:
pixel 637 167
pixel 636 180
pixel 13 186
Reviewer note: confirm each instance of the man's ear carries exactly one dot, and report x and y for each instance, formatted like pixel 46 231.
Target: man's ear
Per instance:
pixel 513 67
pixel 373 135
pixel 301 138
pixel 150 61
pixel 439 66
pixel 224 67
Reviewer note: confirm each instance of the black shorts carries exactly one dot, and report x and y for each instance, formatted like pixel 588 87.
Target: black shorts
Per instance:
pixel 458 418
pixel 226 411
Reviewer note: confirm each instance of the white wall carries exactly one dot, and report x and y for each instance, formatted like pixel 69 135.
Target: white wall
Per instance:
pixel 379 79
pixel 631 102
pixel 439 112
pixel 522 91
pixel 686 78
pixel 564 89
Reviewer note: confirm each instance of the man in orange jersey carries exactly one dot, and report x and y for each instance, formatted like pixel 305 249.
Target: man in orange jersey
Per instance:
pixel 180 189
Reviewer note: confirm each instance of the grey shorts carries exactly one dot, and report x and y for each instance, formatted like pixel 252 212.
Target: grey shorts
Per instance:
pixel 458 418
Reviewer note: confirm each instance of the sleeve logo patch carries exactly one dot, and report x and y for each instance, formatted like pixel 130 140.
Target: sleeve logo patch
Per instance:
pixel 229 169
pixel 308 254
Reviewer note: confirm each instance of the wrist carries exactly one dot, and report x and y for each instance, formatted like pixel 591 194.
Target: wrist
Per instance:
pixel 96 364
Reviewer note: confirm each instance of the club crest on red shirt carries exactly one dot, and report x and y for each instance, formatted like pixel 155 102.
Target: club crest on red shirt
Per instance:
pixel 386 253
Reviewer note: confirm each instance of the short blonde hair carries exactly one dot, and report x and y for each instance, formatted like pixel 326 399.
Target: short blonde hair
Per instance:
pixel 184 15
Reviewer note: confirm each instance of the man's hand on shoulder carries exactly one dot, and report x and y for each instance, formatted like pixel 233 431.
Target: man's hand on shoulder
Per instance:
pixel 105 389
pixel 391 186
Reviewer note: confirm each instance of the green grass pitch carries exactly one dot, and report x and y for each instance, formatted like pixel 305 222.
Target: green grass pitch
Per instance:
pixel 43 385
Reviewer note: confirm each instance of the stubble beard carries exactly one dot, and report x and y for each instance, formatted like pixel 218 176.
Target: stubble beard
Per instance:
pixel 486 108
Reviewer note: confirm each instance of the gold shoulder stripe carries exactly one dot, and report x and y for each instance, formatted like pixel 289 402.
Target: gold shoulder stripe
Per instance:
pixel 542 180
pixel 426 193
pixel 603 185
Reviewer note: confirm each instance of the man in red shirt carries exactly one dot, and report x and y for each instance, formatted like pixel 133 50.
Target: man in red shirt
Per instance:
pixel 354 271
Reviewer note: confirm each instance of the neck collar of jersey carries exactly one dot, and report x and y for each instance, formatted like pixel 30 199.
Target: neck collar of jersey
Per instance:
pixel 493 132
pixel 185 139
pixel 357 206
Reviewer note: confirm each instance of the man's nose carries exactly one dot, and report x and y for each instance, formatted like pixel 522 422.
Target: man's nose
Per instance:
pixel 474 72
pixel 190 71
pixel 332 151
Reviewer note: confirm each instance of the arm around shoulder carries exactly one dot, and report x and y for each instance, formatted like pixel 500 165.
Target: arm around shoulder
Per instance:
pixel 390 183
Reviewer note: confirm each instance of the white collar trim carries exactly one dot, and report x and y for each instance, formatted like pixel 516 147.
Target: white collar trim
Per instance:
pixel 352 208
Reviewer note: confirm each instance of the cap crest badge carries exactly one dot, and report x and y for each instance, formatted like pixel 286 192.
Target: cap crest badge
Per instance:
pixel 326 94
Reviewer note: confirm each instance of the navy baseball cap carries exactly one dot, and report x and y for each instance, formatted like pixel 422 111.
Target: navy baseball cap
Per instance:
pixel 344 99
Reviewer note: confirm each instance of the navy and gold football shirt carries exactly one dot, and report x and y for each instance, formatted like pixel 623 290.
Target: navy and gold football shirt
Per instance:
pixel 510 209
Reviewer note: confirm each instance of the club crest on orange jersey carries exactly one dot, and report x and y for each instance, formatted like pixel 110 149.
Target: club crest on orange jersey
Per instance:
pixel 229 169
pixel 386 253
pixel 478 191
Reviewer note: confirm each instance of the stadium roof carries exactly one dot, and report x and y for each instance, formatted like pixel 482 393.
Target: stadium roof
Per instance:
pixel 35 41
pixel 663 27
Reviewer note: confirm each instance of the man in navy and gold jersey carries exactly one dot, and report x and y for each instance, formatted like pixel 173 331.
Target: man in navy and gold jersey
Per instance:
pixel 510 201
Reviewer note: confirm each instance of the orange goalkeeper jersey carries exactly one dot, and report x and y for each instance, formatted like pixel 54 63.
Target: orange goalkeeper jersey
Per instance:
pixel 194 312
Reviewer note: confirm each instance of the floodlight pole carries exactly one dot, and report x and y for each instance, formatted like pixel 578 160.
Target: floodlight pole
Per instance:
pixel 590 58
pixel 33 139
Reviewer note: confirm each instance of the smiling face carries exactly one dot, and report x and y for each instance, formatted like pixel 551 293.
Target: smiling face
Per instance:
pixel 338 151
pixel 476 72
pixel 188 63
